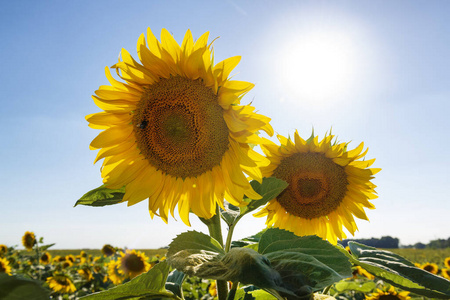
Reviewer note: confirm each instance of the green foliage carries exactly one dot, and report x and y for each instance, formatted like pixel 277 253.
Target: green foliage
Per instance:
pixel 397 271
pixel 269 189
pixel 150 285
pixel 102 196
pixel 174 282
pixel 306 262
pixel 364 287
pixel 14 288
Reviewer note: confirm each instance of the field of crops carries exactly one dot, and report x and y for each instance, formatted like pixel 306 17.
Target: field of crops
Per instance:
pixel 73 273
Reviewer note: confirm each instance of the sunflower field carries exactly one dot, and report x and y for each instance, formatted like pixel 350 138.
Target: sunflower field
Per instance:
pixel 175 133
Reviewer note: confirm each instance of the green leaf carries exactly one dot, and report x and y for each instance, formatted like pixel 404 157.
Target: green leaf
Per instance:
pixel 230 214
pixel 269 189
pixel 399 272
pixel 175 281
pixel 363 287
pixel 102 196
pixel 15 288
pixel 45 247
pixel 303 262
pixel 194 241
pixel 149 285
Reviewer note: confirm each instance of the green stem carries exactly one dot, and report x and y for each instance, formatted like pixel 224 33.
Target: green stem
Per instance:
pixel 38 257
pixel 215 231
pixel 327 289
pixel 230 234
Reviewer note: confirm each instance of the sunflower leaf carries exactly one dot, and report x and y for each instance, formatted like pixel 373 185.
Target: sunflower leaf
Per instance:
pixel 12 287
pixel 304 262
pixel 269 189
pixel 398 271
pixel 102 196
pixel 363 287
pixel 174 282
pixel 149 285
pixel 45 247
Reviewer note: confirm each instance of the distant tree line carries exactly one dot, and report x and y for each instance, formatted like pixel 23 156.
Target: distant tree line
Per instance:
pixel 434 244
pixel 383 242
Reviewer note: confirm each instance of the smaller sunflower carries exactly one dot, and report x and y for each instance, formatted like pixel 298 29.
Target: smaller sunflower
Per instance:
pixel 108 250
pixel 67 264
pixel 114 273
pixel 85 273
pixel 45 258
pixel 29 240
pixel 133 263
pixel 445 273
pixel 70 258
pixel 61 283
pixel 3 250
pixel 329 185
pixel 212 289
pixel 4 266
pixel 83 254
pixel 447 262
pixel 430 267
pixel 389 295
pixel 362 272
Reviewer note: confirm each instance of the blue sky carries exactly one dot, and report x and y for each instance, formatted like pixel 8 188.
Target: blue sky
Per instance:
pixel 390 89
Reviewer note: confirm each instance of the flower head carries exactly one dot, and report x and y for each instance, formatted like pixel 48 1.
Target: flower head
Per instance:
pixel 45 258
pixel 390 294
pixel 28 240
pixel 108 250
pixel 4 266
pixel 175 132
pixel 430 267
pixel 133 263
pixel 61 283
pixel 328 186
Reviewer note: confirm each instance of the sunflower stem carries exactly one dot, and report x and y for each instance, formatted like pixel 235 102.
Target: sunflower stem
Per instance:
pixel 232 292
pixel 215 231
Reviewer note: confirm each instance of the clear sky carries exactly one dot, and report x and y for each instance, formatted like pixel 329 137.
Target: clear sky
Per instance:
pixel 374 71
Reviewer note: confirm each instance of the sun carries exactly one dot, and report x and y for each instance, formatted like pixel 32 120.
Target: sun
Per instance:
pixel 317 67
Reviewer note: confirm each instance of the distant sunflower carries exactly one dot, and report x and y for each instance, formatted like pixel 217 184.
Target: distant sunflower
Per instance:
pixel 86 273
pixel 3 250
pixel 430 267
pixel 328 185
pixel 108 250
pixel 174 131
pixel 447 262
pixel 28 240
pixel 83 254
pixel 70 258
pixel 133 263
pixel 445 273
pixel 61 283
pixel 66 264
pixel 391 294
pixel 114 273
pixel 45 258
pixel 4 266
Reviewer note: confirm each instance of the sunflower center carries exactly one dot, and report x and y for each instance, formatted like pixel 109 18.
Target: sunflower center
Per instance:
pixel 317 185
pixel 133 263
pixel 179 127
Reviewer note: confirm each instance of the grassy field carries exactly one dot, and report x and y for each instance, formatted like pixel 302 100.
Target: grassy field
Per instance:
pixel 436 256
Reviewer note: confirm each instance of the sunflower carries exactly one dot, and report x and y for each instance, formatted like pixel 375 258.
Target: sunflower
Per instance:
pixel 174 131
pixel 3 250
pixel 133 263
pixel 362 272
pixel 61 283
pixel 108 250
pixel 4 266
pixel 447 262
pixel 445 273
pixel 70 258
pixel 328 185
pixel 114 274
pixel 391 294
pixel 66 264
pixel 28 240
pixel 45 258
pixel 430 267
pixel 85 273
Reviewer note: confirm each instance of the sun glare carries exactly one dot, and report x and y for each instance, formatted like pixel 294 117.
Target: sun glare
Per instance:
pixel 317 68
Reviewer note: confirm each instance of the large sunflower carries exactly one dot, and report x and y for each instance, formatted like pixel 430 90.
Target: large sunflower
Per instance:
pixel 390 294
pixel 28 240
pixel 4 266
pixel 174 131
pixel 328 186
pixel 61 283
pixel 133 263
